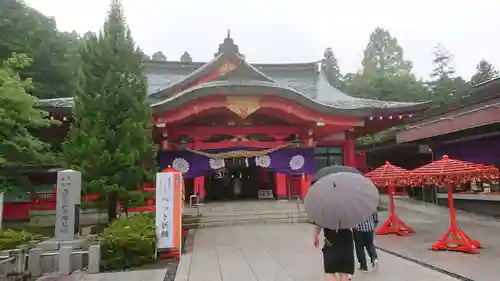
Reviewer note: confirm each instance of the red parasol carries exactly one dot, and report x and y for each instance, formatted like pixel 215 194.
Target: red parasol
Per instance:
pixel 450 172
pixel 391 176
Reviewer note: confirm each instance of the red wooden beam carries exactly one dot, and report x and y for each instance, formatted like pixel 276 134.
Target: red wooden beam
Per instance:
pixel 280 107
pixel 205 132
pixel 226 144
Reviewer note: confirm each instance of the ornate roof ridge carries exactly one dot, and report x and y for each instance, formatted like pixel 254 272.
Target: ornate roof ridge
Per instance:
pixel 177 62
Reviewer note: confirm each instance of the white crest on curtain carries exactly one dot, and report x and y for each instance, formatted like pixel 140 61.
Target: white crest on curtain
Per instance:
pixel 181 165
pixel 216 164
pixel 263 161
pixel 297 162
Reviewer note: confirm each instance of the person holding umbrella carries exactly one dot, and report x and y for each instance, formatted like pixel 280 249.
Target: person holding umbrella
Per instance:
pixel 337 203
pixel 338 252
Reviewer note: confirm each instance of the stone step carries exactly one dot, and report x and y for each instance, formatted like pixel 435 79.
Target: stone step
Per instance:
pixel 194 211
pixel 244 217
pixel 243 221
pixel 253 214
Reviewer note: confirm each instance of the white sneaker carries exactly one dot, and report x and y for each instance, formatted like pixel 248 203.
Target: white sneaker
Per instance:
pixel 375 264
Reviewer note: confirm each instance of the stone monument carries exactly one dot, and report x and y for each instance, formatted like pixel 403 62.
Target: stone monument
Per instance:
pixel 68 196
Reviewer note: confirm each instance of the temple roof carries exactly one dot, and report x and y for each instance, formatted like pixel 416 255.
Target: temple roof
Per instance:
pixel 172 84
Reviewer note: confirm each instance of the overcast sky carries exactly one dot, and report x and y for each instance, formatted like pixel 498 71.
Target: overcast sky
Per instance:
pixel 284 31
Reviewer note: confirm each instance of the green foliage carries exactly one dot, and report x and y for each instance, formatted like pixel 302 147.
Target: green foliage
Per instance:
pixel 129 242
pixel 158 56
pixel 25 30
pixel 186 57
pixel 110 140
pixel 485 71
pixel 443 63
pixel 384 54
pixel 10 238
pixel 445 87
pixel 18 117
pixel 381 86
pixel 385 74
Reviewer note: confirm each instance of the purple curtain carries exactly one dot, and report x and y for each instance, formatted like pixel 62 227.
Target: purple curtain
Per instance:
pixel 292 161
pixel 482 151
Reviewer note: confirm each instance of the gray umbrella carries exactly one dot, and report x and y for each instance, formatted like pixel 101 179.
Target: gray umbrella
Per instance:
pixel 341 200
pixel 332 170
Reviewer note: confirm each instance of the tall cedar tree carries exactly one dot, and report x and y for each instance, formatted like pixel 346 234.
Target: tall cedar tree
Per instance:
pixel 445 87
pixel 386 75
pixel 18 118
pixel 485 71
pixel 110 141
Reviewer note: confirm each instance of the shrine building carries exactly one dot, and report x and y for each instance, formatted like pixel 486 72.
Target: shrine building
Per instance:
pixel 242 130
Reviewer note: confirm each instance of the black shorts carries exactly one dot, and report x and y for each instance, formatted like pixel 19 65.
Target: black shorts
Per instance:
pixel 338 259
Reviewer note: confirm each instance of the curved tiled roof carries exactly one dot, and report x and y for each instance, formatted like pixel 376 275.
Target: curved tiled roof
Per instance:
pixel 328 99
pixel 302 82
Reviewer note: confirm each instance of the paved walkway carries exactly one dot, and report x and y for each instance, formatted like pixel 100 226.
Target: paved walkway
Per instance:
pixel 276 252
pixel 138 275
pixel 430 223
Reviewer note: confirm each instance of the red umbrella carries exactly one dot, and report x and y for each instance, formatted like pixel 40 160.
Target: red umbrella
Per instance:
pixel 450 172
pixel 391 176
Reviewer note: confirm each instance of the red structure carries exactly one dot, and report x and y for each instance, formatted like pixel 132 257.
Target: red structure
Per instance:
pixel 450 172
pixel 228 103
pixel 391 176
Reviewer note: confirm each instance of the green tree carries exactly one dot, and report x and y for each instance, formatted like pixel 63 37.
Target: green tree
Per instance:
pixel 445 87
pixel 384 54
pixel 158 56
pixel 385 75
pixel 110 140
pixel 443 63
pixel 485 71
pixel 25 30
pixel 18 118
pixel 186 57
pixel 331 68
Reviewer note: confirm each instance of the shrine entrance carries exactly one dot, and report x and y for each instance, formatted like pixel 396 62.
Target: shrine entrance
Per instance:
pixel 238 180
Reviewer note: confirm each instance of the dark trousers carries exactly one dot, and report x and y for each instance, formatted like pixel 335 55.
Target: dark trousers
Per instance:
pixel 364 240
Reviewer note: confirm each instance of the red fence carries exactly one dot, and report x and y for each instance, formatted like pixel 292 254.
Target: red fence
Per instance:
pixel 46 201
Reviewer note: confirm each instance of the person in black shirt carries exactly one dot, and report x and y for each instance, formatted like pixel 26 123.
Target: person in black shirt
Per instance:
pixel 338 252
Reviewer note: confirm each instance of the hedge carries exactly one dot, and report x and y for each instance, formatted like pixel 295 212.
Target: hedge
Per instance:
pixel 128 242
pixel 11 238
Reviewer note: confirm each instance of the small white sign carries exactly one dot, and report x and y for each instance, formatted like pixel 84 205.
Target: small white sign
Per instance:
pixel 164 210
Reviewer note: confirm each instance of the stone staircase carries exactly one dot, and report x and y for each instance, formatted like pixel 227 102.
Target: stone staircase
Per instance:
pixel 249 212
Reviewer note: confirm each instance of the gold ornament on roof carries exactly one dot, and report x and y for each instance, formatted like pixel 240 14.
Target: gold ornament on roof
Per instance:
pixel 243 106
pixel 226 68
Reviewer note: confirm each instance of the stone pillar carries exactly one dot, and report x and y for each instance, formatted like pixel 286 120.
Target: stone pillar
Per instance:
pixel 199 187
pixel 281 188
pixel 65 260
pixel 67 204
pixel 34 262
pixel 94 258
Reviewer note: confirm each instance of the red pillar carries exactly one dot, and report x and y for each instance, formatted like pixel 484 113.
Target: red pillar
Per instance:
pixel 281 192
pixel 199 187
pixel 350 149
